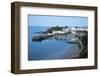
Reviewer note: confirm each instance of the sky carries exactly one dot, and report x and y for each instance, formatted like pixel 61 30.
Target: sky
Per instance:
pixel 47 20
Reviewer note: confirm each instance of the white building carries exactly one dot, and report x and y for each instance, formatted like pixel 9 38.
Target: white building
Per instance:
pixel 66 30
pixel 60 32
pixel 81 29
pixel 73 29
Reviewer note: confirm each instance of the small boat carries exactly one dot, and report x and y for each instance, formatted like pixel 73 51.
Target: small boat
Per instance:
pixel 72 41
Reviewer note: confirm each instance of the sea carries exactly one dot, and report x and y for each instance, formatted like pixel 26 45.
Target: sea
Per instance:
pixel 48 49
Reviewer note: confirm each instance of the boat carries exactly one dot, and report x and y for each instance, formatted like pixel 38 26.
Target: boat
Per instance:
pixel 72 41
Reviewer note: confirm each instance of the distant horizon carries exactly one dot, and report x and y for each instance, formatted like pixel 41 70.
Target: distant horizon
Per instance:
pixel 61 21
pixel 55 26
pixel 59 26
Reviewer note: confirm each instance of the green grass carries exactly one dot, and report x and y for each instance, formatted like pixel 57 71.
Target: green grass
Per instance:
pixel 56 28
pixel 84 52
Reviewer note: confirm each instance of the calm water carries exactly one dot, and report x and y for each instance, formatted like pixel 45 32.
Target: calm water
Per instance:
pixel 48 49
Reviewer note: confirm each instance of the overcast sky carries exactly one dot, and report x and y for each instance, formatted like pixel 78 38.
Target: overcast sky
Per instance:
pixel 71 21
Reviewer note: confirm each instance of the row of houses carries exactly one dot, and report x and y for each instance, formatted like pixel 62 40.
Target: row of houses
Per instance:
pixel 72 30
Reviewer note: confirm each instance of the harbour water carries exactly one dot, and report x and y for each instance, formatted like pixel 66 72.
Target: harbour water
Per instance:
pixel 47 49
